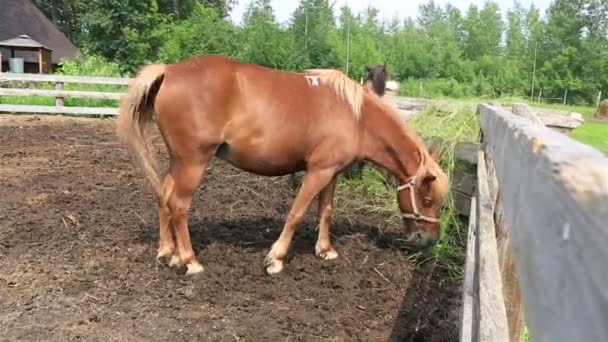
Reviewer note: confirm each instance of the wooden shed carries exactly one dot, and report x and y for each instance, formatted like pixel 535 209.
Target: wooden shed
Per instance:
pixel 26 43
pixel 34 38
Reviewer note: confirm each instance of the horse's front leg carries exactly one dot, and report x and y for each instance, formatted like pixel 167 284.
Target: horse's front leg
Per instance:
pixel 323 248
pixel 313 182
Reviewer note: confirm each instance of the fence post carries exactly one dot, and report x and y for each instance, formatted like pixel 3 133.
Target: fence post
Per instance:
pixel 565 96
pixel 58 99
pixel 599 99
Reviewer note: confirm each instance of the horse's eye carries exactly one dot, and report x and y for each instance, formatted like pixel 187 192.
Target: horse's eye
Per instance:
pixel 427 202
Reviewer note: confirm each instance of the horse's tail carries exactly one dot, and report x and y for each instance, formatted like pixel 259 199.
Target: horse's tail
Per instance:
pixel 136 116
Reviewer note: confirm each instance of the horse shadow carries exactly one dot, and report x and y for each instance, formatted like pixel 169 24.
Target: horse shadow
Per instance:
pixel 258 234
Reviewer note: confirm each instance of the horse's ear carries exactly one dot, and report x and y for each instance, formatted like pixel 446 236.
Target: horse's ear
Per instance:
pixel 368 68
pixel 436 154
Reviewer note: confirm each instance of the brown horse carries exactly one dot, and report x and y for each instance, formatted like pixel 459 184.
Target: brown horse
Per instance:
pixel 272 123
pixel 375 81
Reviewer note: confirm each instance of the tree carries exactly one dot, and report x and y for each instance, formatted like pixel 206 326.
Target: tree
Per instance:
pixel 264 42
pixel 122 31
pixel 313 28
pixel 66 15
pixel 515 36
pixel 204 32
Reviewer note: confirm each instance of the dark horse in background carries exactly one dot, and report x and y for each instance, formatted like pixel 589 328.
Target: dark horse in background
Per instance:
pixel 375 81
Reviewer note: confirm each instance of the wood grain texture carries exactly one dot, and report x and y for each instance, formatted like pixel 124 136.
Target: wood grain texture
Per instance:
pixel 469 318
pixel 555 196
pixel 510 279
pixel 493 324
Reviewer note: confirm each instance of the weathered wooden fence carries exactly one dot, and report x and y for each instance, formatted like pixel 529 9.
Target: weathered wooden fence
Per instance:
pixel 539 241
pixel 59 93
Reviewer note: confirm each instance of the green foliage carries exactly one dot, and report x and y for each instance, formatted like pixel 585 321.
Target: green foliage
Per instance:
pixel 475 53
pixel 89 65
pixel 203 33
pixel 123 31
pixel 264 42
pixel 313 27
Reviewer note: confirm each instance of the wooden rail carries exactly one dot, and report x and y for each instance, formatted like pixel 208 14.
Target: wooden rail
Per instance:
pixel 7 76
pixel 60 94
pixel 549 194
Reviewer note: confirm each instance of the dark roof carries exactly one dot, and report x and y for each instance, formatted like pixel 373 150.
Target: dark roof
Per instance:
pixel 22 17
pixel 23 41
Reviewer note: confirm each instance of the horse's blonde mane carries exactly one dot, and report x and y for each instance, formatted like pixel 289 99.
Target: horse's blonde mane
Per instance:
pixel 343 86
pixel 354 94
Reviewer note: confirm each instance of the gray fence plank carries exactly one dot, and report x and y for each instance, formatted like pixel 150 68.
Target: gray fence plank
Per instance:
pixel 493 324
pixel 61 93
pixel 468 320
pixel 555 196
pixel 26 109
pixel 7 76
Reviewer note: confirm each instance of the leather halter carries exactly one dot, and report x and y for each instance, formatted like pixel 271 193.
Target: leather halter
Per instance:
pixel 416 215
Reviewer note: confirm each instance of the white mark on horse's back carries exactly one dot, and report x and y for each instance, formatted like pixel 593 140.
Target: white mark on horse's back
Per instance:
pixel 312 80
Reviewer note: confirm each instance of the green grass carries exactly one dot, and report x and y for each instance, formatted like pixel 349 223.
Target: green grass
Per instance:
pixel 586 111
pixel 593 133
pixel 379 197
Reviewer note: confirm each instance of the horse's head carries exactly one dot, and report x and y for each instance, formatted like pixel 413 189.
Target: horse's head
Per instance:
pixel 377 75
pixel 421 199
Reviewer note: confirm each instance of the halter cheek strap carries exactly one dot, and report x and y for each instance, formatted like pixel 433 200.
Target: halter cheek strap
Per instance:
pixel 416 215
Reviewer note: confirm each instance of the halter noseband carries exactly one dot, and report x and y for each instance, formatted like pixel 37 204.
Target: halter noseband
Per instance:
pixel 416 215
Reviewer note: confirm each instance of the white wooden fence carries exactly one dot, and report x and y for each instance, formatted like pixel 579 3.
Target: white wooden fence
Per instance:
pixel 538 247
pixel 59 94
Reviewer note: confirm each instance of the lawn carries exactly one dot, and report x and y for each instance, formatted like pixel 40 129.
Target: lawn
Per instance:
pixel 593 133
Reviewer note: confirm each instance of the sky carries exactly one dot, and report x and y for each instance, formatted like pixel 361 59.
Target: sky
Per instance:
pixel 388 8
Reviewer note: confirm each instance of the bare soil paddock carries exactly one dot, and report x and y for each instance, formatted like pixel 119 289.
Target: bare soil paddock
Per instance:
pixel 78 237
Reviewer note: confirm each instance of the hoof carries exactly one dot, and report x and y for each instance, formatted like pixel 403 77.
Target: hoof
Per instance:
pixel 175 261
pixel 273 265
pixel 194 268
pixel 164 257
pixel 327 254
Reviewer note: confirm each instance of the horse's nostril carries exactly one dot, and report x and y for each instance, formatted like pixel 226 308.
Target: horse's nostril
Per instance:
pixel 418 236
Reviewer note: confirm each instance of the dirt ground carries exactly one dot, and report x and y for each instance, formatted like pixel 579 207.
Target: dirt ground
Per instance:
pixel 78 238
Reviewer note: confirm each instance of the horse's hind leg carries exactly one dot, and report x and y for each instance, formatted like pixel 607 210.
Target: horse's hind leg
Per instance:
pixel 166 244
pixel 323 248
pixel 186 175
